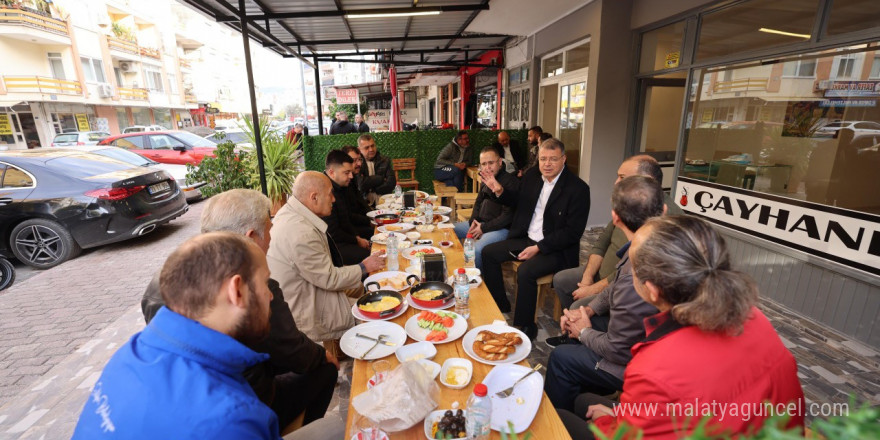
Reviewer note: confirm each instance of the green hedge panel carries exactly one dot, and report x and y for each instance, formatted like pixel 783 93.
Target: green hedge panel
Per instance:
pixel 423 145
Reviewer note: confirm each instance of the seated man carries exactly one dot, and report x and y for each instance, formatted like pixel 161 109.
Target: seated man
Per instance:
pixel 535 134
pixel 453 160
pixel 305 261
pixel 581 283
pixel 490 218
pixel 552 205
pixel 351 245
pixel 515 158
pixel 612 323
pixel 182 376
pixel 300 374
pixel 356 200
pixel 377 175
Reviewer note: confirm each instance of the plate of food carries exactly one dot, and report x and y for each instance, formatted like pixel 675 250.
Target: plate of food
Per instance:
pixel 496 344
pixel 437 219
pixel 413 253
pixel 359 315
pixel 380 304
pixel 443 210
pixel 446 424
pixel 382 238
pixel 356 346
pixel 409 213
pixel 396 227
pixel 435 327
pixel 391 280
pixel 521 406
pixel 372 214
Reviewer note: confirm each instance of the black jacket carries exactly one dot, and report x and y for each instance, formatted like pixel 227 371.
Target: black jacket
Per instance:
pixel 383 181
pixel 520 154
pixel 492 214
pixel 362 127
pixel 358 207
pixel 342 127
pixel 565 215
pixel 289 349
pixel 339 224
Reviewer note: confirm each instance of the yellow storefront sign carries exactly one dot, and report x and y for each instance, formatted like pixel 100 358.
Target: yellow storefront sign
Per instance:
pixel 5 124
pixel 82 122
pixel 707 115
pixel 671 60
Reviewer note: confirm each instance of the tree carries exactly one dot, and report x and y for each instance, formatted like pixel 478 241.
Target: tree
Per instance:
pixel 294 110
pixel 350 109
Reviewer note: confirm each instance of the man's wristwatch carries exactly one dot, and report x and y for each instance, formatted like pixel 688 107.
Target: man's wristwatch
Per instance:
pixel 363 268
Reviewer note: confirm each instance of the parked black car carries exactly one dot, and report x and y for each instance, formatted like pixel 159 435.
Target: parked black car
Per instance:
pixel 55 202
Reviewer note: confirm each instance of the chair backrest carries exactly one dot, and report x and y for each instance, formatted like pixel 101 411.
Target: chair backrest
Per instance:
pixel 405 164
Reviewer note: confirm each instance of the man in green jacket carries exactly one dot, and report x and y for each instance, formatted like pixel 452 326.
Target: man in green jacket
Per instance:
pixel 453 160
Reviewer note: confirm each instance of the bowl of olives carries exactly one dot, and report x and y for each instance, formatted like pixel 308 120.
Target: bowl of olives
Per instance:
pixel 445 424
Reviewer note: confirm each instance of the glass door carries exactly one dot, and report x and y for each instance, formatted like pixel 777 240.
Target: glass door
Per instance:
pixel 572 106
pixel 661 99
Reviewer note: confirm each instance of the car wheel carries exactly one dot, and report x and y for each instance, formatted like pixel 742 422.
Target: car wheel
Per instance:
pixel 7 273
pixel 42 243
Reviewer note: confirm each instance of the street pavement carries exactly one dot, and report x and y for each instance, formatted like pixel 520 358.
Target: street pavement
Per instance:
pixel 50 314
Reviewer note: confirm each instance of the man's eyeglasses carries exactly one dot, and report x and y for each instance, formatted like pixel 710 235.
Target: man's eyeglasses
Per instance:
pixel 551 159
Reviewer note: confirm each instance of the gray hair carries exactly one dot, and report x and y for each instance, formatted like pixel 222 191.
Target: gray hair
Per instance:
pixel 688 261
pixel 238 211
pixel 648 166
pixel 553 144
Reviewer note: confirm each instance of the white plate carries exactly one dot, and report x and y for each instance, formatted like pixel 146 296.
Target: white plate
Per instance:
pixel 373 214
pixel 410 254
pixel 419 334
pixel 409 350
pixel 381 238
pixel 354 347
pixel 435 416
pixel 413 235
pixel 382 436
pixel 471 279
pixel 443 307
pixel 442 210
pixel 387 274
pixel 390 206
pixel 522 350
pixel 403 228
pixel 530 391
pixel 356 312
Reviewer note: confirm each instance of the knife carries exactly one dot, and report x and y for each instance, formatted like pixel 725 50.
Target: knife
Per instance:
pixel 388 343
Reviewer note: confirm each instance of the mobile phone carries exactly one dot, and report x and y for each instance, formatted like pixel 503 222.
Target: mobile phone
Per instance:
pixel 427 242
pixel 515 253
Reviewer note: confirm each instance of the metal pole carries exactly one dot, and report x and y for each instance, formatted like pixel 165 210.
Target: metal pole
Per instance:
pixel 320 115
pixel 302 80
pixel 250 78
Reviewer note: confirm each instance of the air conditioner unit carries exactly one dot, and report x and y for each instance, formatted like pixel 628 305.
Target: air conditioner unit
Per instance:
pixel 125 66
pixel 824 84
pixel 105 91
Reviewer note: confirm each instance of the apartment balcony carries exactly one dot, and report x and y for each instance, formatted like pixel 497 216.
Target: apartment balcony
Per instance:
pixel 191 99
pixel 29 26
pixel 741 85
pixel 41 84
pixel 149 52
pixel 130 51
pixel 133 94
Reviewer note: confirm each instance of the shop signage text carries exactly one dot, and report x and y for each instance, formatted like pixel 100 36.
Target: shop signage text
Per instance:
pixel 845 89
pixel 82 122
pixel 347 96
pixel 379 120
pixel 846 237
pixel 5 124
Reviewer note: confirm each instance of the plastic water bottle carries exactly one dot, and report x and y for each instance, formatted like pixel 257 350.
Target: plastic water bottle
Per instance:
pixel 470 251
pixel 462 294
pixel 398 192
pixel 479 414
pixel 391 262
pixel 429 213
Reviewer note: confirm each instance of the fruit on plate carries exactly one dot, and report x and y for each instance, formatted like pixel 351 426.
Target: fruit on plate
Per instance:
pixel 450 425
pixel 496 346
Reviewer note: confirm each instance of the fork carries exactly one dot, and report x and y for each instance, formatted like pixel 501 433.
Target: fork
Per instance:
pixel 505 393
pixel 379 339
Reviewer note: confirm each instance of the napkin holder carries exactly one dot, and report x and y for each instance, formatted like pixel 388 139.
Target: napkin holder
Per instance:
pixel 409 200
pixel 434 268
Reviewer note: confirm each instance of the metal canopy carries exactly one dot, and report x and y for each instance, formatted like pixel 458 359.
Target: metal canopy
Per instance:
pixel 318 30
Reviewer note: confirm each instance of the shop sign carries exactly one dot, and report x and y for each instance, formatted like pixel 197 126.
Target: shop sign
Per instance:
pixel 847 89
pixel 847 103
pixel 707 115
pixel 671 60
pixel 380 120
pixel 82 122
pixel 347 96
pixel 846 237
pixel 5 124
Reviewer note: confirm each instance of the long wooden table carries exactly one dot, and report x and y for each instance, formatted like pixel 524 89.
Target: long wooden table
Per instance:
pixel 546 425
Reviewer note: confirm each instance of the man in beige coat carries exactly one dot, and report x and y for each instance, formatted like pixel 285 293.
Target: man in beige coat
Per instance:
pixel 311 275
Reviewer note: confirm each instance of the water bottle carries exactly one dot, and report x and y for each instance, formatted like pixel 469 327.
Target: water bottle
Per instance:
pixel 391 262
pixel 462 294
pixel 398 192
pixel 470 251
pixel 429 213
pixel 479 414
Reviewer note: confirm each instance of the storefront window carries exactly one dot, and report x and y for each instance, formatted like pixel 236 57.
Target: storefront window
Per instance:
pixel 121 118
pixel 757 24
pixel 577 57
pixel 551 66
pixel 661 48
pixel 813 138
pixel 163 117
pixel 141 116
pixel 853 15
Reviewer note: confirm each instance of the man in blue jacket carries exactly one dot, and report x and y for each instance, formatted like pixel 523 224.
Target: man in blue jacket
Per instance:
pixel 182 377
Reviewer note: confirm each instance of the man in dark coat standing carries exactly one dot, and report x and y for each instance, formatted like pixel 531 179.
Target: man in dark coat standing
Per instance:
pixel 359 123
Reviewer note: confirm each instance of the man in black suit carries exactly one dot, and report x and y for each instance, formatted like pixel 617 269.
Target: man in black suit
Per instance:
pixel 552 205
pixel 515 157
pixel 351 245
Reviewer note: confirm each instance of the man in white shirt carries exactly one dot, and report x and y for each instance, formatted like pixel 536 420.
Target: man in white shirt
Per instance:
pixel 552 205
pixel 514 156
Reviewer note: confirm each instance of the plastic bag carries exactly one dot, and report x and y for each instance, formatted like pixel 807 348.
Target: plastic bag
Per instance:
pixel 402 400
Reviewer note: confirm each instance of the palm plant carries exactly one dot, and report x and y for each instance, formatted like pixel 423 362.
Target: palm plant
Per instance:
pixel 281 161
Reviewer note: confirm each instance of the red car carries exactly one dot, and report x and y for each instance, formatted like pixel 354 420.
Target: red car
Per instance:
pixel 174 147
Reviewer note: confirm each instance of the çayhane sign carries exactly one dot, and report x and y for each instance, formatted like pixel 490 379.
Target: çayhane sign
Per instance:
pixel 846 237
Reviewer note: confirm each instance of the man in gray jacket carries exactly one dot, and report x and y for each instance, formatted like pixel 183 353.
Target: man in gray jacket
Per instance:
pixel 613 322
pixel 453 160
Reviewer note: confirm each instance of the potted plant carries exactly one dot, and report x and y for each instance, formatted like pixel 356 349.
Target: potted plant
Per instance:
pixel 282 162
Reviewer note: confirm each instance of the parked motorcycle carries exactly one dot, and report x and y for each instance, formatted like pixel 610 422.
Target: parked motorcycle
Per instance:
pixel 7 273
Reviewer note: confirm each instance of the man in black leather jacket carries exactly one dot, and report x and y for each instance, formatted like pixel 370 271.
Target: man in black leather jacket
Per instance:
pixel 377 173
pixel 300 374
